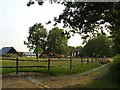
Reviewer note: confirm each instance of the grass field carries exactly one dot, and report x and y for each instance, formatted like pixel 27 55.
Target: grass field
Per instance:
pixel 59 66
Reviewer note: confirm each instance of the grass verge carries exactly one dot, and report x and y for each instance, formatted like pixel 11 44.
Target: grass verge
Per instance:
pixel 101 81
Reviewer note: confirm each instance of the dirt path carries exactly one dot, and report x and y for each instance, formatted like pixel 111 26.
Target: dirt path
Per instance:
pixel 39 80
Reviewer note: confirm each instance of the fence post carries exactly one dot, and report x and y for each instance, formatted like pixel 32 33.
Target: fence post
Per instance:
pixel 82 61
pixel 49 65
pixel 87 60
pixel 70 63
pixel 92 59
pixel 17 65
pixel 95 59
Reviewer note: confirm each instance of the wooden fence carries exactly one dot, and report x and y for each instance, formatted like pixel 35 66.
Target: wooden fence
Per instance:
pixel 70 60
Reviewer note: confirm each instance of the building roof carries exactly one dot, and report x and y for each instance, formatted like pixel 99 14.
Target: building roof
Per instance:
pixel 29 54
pixel 6 50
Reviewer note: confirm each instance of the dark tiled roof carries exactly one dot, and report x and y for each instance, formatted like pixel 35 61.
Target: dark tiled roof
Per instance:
pixel 4 50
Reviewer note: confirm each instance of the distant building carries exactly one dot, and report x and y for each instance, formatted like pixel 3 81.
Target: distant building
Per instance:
pixel 21 54
pixel 29 54
pixel 75 53
pixel 8 52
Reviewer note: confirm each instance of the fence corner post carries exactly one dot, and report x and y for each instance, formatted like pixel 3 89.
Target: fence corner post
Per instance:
pixel 17 65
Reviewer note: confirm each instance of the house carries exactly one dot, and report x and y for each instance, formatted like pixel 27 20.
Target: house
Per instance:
pixel 75 53
pixel 29 54
pixel 8 52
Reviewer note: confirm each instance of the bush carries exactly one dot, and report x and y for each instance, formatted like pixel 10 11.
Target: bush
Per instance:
pixel 114 69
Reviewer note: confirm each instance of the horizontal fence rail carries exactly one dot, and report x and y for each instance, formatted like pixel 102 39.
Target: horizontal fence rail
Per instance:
pixel 69 61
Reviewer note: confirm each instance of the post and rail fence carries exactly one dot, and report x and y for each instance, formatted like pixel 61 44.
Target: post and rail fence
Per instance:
pixel 82 61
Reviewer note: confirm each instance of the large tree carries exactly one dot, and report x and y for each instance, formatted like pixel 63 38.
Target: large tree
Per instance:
pixel 37 38
pixel 71 50
pixel 98 46
pixel 57 42
pixel 116 40
pixel 87 17
pixel 90 17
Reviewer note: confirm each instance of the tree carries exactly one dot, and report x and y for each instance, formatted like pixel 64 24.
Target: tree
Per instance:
pixel 99 46
pixel 71 50
pixel 36 38
pixel 78 49
pixel 37 49
pixel 116 40
pixel 56 42
pixel 87 17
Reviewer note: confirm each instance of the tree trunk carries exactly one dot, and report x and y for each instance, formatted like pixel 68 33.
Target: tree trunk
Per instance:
pixel 37 53
pixel 37 57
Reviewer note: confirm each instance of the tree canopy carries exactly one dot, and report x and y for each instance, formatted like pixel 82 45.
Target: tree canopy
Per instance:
pixel 36 38
pixel 57 42
pixel 99 46
pixel 87 17
pixel 90 17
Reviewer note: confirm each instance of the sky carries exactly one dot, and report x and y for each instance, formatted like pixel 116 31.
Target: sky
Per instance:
pixel 16 18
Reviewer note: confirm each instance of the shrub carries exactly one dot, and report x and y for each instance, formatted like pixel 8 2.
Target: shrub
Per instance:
pixel 114 69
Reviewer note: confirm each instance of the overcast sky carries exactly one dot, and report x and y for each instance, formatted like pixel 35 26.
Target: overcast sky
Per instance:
pixel 16 18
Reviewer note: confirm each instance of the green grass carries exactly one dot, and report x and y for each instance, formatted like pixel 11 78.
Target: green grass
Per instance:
pixel 75 69
pixel 63 68
pixel 58 67
pixel 105 81
pixel 99 84
pixel 56 71
pixel 102 84
pixel 54 62
pixel 22 63
pixel 7 70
